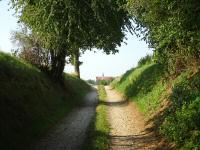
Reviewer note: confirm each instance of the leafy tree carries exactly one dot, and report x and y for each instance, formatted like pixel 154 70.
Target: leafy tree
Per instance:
pixel 171 28
pixel 68 24
pixel 29 48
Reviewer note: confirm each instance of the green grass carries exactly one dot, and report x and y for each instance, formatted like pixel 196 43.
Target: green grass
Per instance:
pixel 144 85
pixel 148 87
pixel 30 103
pixel 98 138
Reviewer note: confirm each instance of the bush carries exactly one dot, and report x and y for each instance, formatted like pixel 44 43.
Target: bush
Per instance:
pixel 182 125
pixel 29 48
pixel 145 60
pixel 104 82
pixel 91 81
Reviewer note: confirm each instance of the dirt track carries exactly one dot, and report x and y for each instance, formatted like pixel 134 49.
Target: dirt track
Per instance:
pixel 71 132
pixel 128 130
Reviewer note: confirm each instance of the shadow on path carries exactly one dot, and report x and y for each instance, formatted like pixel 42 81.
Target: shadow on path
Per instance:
pixel 143 141
pixel 120 103
pixel 128 129
pixel 70 133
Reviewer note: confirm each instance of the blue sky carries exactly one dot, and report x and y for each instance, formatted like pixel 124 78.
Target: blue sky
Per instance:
pixel 94 64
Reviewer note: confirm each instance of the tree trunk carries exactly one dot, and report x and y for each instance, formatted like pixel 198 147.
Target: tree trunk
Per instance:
pixel 57 64
pixel 76 63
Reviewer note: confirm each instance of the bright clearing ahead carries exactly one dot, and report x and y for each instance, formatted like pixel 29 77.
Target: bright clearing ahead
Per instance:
pixel 94 64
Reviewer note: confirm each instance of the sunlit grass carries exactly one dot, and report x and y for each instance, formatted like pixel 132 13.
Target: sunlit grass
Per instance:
pixel 99 129
pixel 179 119
pixel 144 86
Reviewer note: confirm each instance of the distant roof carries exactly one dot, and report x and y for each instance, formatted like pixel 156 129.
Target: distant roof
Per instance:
pixel 104 78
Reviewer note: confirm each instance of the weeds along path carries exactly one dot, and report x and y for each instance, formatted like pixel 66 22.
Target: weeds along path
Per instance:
pixel 127 125
pixel 70 133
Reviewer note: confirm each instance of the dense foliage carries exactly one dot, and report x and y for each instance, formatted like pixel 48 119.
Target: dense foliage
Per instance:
pixel 104 82
pixel 145 60
pixel 172 28
pixel 29 48
pixel 173 104
pixel 182 123
pixel 67 25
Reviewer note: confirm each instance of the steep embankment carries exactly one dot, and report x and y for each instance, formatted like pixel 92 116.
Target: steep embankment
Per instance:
pixel 172 104
pixel 143 85
pixel 30 103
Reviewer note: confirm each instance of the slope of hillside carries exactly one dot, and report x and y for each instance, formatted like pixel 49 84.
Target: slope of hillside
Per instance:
pixel 30 103
pixel 173 104
pixel 141 83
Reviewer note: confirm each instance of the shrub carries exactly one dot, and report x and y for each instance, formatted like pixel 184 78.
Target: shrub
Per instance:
pixel 182 125
pixel 104 82
pixel 91 81
pixel 145 60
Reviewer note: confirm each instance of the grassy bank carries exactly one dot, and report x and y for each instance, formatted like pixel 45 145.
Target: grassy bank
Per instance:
pixel 144 85
pixel 173 103
pixel 30 103
pixel 99 128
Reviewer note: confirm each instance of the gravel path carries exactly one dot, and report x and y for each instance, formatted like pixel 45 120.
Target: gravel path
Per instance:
pixel 127 125
pixel 71 132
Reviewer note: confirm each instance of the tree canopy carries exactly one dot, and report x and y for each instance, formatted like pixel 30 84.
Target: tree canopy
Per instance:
pixel 171 27
pixel 29 48
pixel 67 24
